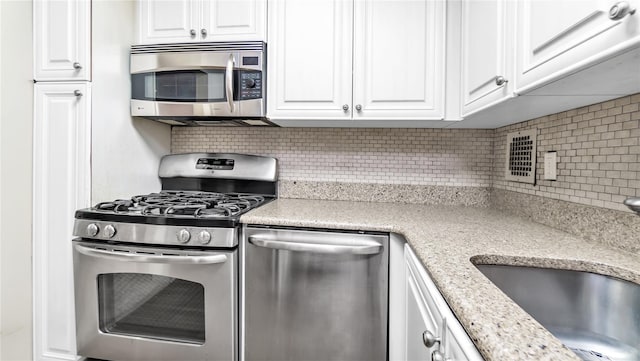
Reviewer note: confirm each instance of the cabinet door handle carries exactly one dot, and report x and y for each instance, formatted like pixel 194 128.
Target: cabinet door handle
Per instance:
pixel 620 10
pixel 229 81
pixel 345 107
pixel 359 108
pixel 437 356
pixel 77 66
pixel 192 32
pixel 77 93
pixel 429 339
pixel 500 80
pixel 203 32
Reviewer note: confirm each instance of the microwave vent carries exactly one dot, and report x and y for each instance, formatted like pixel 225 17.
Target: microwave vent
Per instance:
pixel 190 47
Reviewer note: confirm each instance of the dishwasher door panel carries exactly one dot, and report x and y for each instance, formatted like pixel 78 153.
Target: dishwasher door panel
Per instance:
pixel 315 295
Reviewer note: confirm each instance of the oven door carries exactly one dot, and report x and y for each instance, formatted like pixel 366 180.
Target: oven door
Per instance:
pixel 144 303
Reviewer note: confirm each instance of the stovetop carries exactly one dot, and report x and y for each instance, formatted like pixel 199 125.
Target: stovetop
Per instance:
pixel 186 208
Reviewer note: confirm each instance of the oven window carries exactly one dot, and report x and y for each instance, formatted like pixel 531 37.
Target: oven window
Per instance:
pixel 151 306
pixel 180 86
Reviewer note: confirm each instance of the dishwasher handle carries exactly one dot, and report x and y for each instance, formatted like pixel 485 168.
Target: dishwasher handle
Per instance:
pixel 362 247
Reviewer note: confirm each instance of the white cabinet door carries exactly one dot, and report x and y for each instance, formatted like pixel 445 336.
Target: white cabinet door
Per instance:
pixel 486 53
pixel 557 37
pixel 309 59
pixel 168 21
pixel 426 310
pixel 178 21
pixel 399 59
pixel 62 35
pixel 233 20
pixel 61 185
pixel 419 318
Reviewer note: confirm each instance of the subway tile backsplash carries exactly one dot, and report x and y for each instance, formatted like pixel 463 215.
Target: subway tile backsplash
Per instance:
pixel 598 153
pixel 431 157
pixel 597 146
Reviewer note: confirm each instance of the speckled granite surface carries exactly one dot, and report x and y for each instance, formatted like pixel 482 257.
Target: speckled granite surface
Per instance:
pixel 374 192
pixel 613 228
pixel 446 238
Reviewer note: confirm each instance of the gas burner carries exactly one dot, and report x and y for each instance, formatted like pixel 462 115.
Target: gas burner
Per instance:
pixel 184 204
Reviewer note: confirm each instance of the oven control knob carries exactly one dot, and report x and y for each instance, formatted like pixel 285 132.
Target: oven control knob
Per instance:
pixel 93 229
pixel 204 237
pixel 183 236
pixel 109 231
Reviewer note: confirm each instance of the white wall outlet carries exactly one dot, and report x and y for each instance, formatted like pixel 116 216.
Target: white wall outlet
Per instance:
pixel 551 165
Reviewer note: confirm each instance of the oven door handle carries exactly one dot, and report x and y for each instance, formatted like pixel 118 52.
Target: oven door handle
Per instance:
pixel 364 247
pixel 229 81
pixel 149 258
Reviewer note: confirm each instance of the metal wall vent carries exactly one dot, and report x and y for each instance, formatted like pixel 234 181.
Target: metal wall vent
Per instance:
pixel 521 156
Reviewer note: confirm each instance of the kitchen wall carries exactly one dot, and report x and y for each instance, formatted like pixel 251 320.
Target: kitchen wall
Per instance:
pixel 598 152
pixel 436 166
pixel 598 166
pixel 118 174
pixel 16 114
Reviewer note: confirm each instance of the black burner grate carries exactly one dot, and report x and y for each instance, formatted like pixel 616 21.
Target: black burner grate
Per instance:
pixel 184 204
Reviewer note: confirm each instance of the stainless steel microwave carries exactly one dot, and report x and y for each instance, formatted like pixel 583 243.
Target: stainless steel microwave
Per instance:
pixel 221 83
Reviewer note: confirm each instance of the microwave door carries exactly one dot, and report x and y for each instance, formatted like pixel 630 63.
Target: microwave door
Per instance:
pixel 184 85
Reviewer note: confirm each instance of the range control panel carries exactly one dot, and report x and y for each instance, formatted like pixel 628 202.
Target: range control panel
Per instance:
pixel 215 163
pixel 250 84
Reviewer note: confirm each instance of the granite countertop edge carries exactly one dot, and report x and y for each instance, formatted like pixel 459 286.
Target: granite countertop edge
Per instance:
pixel 446 239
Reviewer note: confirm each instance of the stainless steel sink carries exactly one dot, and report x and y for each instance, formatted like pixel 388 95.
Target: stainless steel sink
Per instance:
pixel 596 316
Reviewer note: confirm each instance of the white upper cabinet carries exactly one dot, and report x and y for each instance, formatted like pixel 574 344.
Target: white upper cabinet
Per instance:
pixel 309 59
pixel 62 35
pixel 556 38
pixel 229 20
pixel 391 70
pixel 177 21
pixel 487 53
pixel 398 67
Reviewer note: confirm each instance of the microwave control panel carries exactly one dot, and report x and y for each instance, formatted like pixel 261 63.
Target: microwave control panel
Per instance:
pixel 250 84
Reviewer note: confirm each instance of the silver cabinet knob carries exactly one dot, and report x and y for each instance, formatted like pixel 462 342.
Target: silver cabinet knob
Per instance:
pixel 500 80
pixel 345 107
pixel 93 229
pixel 77 93
pixel 358 107
pixel 183 236
pixel 204 237
pixel 77 66
pixel 437 356
pixel 109 231
pixel 203 32
pixel 429 339
pixel 192 32
pixel 620 10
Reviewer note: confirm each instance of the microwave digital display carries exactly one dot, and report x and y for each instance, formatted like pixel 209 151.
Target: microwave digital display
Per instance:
pixel 249 60
pixel 215 163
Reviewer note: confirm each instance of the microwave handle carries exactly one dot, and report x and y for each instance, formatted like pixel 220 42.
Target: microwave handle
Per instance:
pixel 229 81
pixel 147 258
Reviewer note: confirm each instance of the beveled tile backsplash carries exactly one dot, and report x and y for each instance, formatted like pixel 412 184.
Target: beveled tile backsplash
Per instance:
pixel 597 146
pixel 434 157
pixel 598 151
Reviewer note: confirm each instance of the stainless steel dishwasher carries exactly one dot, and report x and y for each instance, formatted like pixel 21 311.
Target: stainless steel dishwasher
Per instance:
pixel 312 295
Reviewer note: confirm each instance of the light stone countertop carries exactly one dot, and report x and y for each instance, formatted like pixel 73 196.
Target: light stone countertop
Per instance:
pixel 446 238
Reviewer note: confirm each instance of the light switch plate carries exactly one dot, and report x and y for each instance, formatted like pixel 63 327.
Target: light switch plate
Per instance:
pixel 550 165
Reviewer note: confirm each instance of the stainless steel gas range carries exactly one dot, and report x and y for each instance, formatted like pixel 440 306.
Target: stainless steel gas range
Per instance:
pixel 156 275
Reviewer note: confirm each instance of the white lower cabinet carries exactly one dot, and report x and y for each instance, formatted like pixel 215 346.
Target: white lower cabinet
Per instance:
pixel 61 174
pixel 424 328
